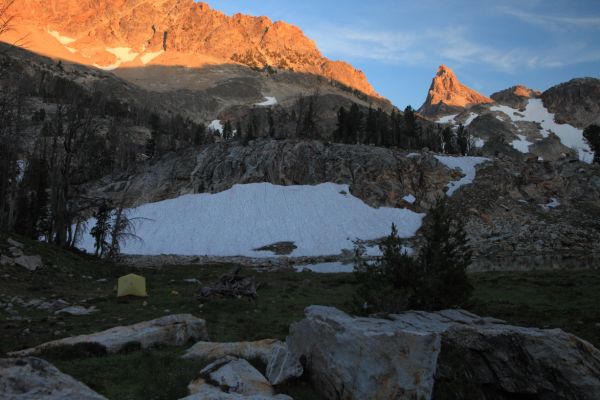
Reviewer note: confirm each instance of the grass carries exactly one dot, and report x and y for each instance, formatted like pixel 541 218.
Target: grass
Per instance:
pixel 550 299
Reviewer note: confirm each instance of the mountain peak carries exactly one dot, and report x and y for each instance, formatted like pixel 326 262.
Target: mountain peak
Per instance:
pixel 446 94
pixel 112 34
pixel 444 70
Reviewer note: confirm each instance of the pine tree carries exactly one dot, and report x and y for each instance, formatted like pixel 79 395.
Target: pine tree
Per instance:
pixel 355 125
pixel 101 230
pixel 227 131
pixel 341 133
pixel 443 260
pixel 592 135
pixel 434 280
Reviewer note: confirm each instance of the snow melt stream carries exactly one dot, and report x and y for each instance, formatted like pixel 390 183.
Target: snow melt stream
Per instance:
pixel 320 220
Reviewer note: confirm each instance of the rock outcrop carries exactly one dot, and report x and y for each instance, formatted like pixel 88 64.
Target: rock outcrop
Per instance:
pixel 34 378
pixel 576 102
pixel 420 355
pixel 516 96
pixel 119 33
pixel 447 95
pixel 172 330
pixel 376 175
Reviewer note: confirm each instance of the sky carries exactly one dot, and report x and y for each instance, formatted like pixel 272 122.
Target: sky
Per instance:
pixel 490 45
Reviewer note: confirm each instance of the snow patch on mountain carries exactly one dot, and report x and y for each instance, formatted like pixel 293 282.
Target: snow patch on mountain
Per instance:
pixel 447 119
pixel 269 101
pixel 216 126
pixel 470 118
pixel 468 167
pixel 123 54
pixel 61 39
pixel 521 144
pixel 319 220
pixel 148 57
pixel 536 112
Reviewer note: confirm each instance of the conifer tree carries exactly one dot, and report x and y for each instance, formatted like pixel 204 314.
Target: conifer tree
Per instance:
pixel 592 135
pixel 434 280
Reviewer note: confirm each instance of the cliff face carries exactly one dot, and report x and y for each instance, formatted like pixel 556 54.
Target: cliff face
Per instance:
pixel 447 94
pixel 576 102
pixel 128 33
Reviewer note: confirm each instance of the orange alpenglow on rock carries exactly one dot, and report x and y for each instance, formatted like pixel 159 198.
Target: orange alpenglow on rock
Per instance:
pixel 447 94
pixel 112 34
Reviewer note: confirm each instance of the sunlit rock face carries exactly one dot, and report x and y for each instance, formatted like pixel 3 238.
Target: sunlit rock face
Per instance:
pixel 111 34
pixel 447 95
pixel 516 96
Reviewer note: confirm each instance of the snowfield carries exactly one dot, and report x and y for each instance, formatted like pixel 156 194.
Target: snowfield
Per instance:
pixel 320 220
pixel 216 126
pixel 536 112
pixel 447 119
pixel 61 39
pixel 269 101
pixel 466 165
pixel 522 144
pixel 148 57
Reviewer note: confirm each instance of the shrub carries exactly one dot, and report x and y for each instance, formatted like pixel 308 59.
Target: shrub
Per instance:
pixel 434 280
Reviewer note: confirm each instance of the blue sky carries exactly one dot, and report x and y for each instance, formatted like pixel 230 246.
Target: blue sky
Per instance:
pixel 490 45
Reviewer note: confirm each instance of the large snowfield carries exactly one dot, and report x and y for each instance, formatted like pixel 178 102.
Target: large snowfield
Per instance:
pixel 536 112
pixel 320 220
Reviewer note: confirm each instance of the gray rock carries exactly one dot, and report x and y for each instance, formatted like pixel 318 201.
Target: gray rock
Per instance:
pixel 234 375
pixel 5 260
pixel 210 351
pixel 576 102
pixel 172 330
pixel 77 310
pixel 428 355
pixel 15 251
pixel 282 365
pixel 14 243
pixel 33 378
pixel 231 378
pixel 30 263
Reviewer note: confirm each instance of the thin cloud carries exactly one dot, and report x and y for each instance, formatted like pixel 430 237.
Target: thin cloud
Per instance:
pixel 452 45
pixel 552 21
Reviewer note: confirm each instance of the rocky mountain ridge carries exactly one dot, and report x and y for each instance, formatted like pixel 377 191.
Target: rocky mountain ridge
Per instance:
pixel 112 34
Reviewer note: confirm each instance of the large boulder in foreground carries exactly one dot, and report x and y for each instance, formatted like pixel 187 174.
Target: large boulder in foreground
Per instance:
pixel 232 378
pixel 33 378
pixel 446 354
pixel 171 330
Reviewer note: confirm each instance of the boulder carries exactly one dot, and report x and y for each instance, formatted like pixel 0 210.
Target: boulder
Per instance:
pixel 77 310
pixel 33 378
pixel 29 262
pixel 420 355
pixel 282 365
pixel 211 351
pixel 14 243
pixel 15 251
pixel 232 378
pixel 5 260
pixel 234 375
pixel 209 392
pixel 172 330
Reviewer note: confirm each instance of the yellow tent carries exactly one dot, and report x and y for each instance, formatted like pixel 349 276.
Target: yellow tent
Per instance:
pixel 132 285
